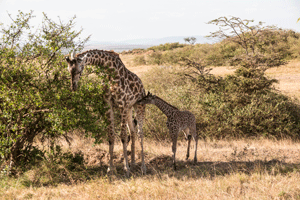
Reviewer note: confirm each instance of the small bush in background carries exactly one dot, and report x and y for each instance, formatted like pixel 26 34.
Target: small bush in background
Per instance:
pixel 166 46
pixel 139 60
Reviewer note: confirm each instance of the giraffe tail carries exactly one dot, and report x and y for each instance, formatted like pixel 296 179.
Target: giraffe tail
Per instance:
pixel 135 122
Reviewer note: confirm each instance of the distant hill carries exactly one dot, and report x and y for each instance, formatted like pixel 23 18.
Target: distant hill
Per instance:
pixel 158 41
pixel 115 47
pixel 141 43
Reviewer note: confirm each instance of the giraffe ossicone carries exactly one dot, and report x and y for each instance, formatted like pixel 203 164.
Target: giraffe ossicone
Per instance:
pixel 122 92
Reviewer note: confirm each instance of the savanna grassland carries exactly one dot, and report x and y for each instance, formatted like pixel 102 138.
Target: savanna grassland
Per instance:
pixel 253 169
pixel 227 169
pixel 244 92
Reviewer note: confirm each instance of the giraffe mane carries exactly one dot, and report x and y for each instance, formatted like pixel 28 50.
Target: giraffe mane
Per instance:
pixel 111 52
pixel 166 102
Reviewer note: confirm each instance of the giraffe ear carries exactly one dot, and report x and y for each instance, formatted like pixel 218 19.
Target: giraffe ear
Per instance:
pixel 72 55
pixel 67 59
pixel 82 57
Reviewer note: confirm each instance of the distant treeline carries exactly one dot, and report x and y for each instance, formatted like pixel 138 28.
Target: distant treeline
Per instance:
pixel 283 43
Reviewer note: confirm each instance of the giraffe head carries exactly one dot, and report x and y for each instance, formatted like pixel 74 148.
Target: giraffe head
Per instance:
pixel 148 99
pixel 75 67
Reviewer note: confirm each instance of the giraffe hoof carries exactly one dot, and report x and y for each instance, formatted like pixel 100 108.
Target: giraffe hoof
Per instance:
pixel 144 169
pixel 174 166
pixel 187 157
pixel 127 173
pixel 111 171
pixel 132 165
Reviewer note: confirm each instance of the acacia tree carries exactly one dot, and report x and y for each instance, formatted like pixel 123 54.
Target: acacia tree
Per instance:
pixel 258 42
pixel 190 40
pixel 35 98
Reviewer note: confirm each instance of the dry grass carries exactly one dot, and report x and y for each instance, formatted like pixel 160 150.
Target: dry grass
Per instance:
pixel 244 169
pixel 138 70
pixel 288 77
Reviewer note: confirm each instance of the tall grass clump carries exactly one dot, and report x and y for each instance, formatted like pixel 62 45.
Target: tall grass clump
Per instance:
pixel 139 60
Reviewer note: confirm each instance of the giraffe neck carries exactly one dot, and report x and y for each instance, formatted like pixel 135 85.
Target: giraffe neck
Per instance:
pixel 109 60
pixel 165 107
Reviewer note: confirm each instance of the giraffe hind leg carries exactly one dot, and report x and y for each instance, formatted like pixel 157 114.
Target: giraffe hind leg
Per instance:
pixel 188 147
pixel 140 115
pixel 124 122
pixel 188 137
pixel 195 136
pixel 174 135
pixel 131 123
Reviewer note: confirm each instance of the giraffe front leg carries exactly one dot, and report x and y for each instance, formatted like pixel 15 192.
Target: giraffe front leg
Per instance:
pixel 124 140
pixel 174 135
pixel 195 136
pixel 111 140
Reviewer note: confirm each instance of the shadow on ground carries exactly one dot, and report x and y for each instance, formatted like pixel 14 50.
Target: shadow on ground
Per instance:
pixel 163 165
pixel 94 166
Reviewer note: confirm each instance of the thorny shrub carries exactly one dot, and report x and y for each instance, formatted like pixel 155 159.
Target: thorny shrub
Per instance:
pixel 35 98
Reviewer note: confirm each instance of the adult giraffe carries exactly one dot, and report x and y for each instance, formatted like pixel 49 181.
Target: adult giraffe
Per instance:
pixel 123 91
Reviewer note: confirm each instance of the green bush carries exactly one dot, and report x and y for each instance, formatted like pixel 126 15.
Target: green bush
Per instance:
pixel 35 98
pixel 139 60
pixel 239 107
pixel 155 58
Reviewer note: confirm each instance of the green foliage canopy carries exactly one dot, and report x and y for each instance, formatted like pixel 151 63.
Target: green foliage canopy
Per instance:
pixel 35 98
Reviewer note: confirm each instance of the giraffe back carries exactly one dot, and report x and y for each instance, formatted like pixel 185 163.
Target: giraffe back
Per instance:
pixel 125 87
pixel 182 120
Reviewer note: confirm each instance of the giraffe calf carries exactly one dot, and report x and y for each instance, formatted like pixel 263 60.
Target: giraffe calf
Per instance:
pixel 177 121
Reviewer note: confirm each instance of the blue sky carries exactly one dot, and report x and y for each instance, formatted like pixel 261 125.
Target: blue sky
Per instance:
pixel 119 20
